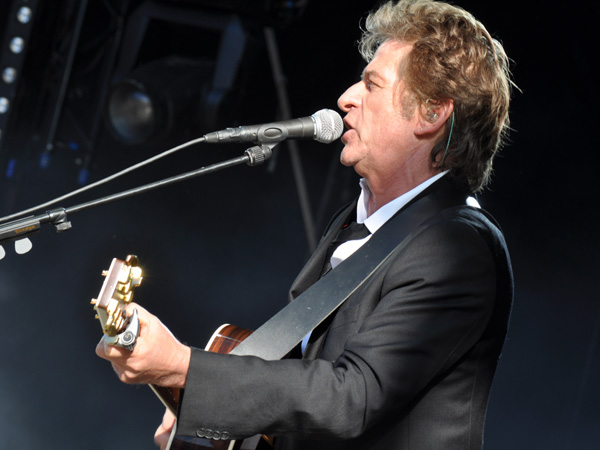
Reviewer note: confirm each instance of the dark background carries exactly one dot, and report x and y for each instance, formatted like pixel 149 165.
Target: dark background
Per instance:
pixel 225 247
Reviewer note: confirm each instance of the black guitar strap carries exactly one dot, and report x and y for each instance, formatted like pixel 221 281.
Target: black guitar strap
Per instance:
pixel 286 329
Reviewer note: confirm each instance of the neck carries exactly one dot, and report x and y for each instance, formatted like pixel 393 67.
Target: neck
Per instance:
pixel 381 194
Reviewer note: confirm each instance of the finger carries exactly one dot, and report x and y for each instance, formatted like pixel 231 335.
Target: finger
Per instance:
pixel 110 352
pixel 143 313
pixel 144 316
pixel 161 437
pixel 100 349
pixel 163 432
pixel 130 307
pixel 168 420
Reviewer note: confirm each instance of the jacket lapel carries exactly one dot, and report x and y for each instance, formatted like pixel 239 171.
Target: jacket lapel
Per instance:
pixel 311 271
pixel 443 193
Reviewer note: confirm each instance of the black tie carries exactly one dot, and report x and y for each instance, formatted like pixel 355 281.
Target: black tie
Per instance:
pixel 350 232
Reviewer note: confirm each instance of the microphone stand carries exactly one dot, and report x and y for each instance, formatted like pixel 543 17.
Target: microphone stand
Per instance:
pixel 21 228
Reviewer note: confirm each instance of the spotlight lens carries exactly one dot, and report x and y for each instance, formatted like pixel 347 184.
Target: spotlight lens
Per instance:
pixel 131 113
pixel 9 75
pixel 16 45
pixel 4 105
pixel 24 14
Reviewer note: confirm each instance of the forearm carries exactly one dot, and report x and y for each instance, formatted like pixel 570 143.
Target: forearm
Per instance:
pixel 247 395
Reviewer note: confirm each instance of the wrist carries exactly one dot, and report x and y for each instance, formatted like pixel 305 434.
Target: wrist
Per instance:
pixel 182 364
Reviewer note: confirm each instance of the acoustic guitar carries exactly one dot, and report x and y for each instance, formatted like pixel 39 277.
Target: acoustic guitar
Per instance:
pixel 119 329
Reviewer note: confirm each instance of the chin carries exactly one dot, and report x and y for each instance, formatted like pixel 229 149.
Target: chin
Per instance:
pixel 345 160
pixel 351 155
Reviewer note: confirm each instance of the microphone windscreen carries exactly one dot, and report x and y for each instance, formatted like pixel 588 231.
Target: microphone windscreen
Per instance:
pixel 328 125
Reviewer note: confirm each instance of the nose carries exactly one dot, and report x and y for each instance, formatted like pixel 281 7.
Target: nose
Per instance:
pixel 351 98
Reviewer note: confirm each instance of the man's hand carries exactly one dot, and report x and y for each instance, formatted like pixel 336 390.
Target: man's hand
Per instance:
pixel 157 358
pixel 163 432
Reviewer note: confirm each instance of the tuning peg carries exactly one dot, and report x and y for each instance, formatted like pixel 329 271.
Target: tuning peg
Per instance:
pixel 93 302
pixel 2 252
pixel 104 273
pixel 132 260
pixel 22 246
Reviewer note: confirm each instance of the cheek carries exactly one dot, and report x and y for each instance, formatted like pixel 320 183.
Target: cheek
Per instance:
pixel 382 117
pixel 383 133
pixel 391 140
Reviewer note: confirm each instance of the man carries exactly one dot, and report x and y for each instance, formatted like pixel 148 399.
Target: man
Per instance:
pixel 408 360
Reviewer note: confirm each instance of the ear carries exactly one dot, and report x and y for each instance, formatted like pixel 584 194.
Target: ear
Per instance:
pixel 433 114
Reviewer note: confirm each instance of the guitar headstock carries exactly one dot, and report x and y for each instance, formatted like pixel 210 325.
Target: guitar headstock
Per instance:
pixel 116 293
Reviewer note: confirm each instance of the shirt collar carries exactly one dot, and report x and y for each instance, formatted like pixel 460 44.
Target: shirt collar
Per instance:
pixel 383 214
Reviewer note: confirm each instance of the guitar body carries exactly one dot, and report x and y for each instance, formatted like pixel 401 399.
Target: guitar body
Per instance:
pixel 223 341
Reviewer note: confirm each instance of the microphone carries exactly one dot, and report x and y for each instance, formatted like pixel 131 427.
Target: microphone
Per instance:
pixel 324 126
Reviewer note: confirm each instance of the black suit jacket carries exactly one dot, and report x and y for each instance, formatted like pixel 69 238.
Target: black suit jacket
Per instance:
pixel 406 362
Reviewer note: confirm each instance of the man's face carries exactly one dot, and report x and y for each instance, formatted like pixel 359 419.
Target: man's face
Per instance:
pixel 380 137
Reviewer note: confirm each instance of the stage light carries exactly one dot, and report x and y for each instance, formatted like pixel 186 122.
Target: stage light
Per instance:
pixel 9 75
pixel 132 114
pixel 161 99
pixel 24 14
pixel 16 45
pixel 183 89
pixel 4 105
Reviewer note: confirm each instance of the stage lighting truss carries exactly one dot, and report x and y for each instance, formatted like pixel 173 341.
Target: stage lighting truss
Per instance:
pixel 12 55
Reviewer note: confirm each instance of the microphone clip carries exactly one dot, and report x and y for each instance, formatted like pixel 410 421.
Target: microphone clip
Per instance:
pixel 258 154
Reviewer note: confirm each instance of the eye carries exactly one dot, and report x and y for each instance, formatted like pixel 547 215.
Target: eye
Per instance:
pixel 369 84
